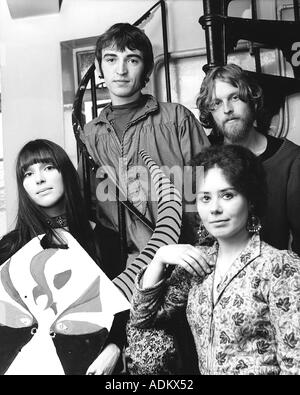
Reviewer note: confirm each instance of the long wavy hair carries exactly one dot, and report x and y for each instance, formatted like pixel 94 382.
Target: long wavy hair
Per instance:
pixel 249 91
pixel 31 218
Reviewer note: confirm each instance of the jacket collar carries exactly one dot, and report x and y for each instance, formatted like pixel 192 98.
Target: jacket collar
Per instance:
pixel 150 106
pixel 251 251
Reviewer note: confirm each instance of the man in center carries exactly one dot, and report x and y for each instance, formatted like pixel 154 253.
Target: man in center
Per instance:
pixel 168 132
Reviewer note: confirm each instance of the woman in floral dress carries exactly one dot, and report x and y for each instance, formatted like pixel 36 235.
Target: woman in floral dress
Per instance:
pixel 245 315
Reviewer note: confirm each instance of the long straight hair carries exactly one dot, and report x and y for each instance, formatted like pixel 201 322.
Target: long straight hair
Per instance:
pixel 31 218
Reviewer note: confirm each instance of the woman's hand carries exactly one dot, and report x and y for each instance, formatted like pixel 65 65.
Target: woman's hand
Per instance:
pixel 105 363
pixel 184 255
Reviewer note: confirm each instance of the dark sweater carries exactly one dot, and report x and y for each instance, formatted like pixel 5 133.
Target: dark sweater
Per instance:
pixel 283 211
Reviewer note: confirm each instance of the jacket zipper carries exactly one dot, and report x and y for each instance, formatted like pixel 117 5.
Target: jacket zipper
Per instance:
pixel 121 143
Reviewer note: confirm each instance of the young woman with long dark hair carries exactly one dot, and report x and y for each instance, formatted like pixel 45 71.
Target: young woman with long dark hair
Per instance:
pixel 49 199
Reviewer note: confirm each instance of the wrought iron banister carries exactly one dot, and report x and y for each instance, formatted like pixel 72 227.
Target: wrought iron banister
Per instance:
pixel 272 34
pixel 223 32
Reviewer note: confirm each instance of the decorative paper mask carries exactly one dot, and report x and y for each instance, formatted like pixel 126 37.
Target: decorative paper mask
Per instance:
pixel 56 309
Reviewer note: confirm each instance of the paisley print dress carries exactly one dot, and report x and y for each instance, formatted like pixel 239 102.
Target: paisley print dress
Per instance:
pixel 252 328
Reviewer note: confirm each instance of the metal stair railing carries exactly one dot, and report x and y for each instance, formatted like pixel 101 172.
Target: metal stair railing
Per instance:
pixel 223 32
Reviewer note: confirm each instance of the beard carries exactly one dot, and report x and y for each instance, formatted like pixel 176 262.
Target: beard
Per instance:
pixel 236 128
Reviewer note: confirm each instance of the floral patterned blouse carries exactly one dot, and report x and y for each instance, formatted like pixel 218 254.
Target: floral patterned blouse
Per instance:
pixel 253 328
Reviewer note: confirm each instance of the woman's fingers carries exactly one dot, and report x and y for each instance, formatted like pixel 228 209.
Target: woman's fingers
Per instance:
pixel 191 258
pixel 200 259
pixel 192 267
pixel 193 261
